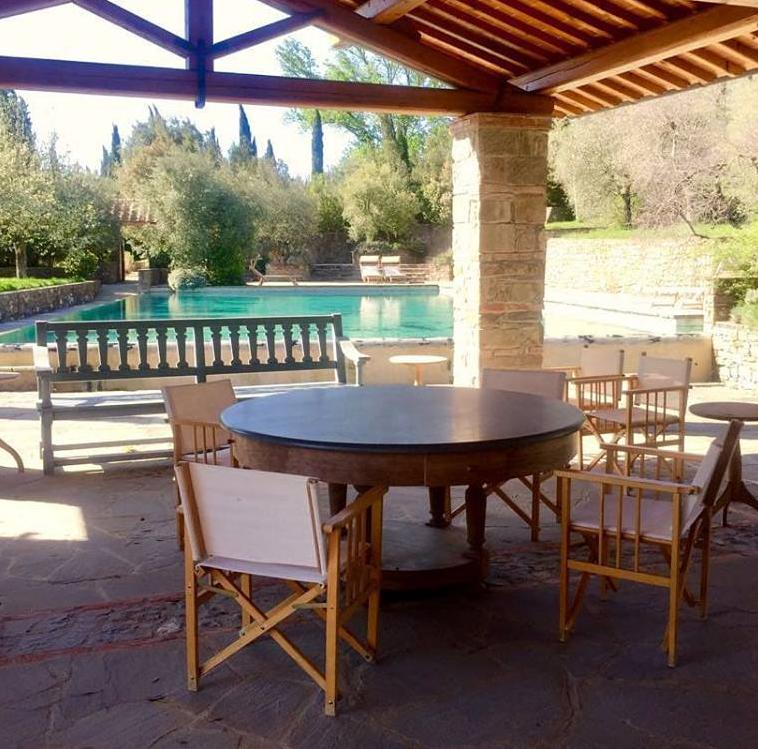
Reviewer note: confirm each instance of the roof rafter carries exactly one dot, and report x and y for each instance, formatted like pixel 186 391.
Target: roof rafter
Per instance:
pixel 19 7
pixel 389 42
pixel 387 11
pixel 693 32
pixel 136 25
pixel 174 83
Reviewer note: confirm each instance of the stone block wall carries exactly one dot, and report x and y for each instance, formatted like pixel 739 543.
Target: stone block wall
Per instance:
pixel 735 353
pixel 17 304
pixel 499 179
pixel 628 266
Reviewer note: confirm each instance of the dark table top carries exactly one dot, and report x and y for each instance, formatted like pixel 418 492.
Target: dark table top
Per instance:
pixel 726 410
pixel 399 418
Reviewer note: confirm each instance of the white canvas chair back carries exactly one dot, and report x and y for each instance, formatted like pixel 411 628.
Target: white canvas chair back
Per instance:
pixel 198 402
pixel 369 260
pixel 240 516
pixel 597 361
pixel 656 372
pixel 391 265
pixel 547 383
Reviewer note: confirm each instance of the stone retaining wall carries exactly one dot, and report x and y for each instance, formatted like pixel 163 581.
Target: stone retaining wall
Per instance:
pixel 735 351
pixel 29 302
pixel 630 266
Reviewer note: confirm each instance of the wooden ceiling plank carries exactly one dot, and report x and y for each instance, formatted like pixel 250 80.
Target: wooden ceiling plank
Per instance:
pixel 614 14
pixel 568 109
pixel 646 85
pixel 740 51
pixel 262 34
pixel 742 3
pixel 525 33
pixel 616 86
pixel 175 83
pixel 19 7
pixel 391 43
pixel 659 73
pixel 577 98
pixel 548 23
pixel 641 49
pixel 572 15
pixel 485 35
pixel 716 62
pixel 697 73
pixel 137 25
pixel 387 11
pixel 605 98
pixel 457 45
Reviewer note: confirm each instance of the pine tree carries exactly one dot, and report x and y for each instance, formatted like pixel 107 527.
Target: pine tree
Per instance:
pixel 115 146
pixel 270 152
pixel 317 145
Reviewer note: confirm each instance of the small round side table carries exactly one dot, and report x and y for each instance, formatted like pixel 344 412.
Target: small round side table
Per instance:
pixel 3 444
pixel 735 490
pixel 417 362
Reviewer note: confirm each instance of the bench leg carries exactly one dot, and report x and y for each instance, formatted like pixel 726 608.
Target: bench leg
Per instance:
pixel 45 406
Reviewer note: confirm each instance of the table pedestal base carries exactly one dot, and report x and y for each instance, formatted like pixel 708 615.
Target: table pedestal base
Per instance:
pixel 735 490
pixel 419 557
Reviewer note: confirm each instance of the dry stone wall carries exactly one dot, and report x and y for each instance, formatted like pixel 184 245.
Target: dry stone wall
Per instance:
pixel 735 352
pixel 17 304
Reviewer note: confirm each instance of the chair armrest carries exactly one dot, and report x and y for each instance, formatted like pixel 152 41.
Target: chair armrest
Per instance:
pixel 360 505
pixel 669 389
pixel 627 482
pixel 601 378
pixel 570 370
pixel 42 359
pixel 691 457
pixel 352 354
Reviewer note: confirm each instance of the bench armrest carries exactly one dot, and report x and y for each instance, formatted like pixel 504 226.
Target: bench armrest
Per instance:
pixel 351 353
pixel 42 359
pixel 627 482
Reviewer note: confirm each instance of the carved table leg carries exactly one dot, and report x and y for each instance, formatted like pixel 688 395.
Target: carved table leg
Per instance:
pixel 437 509
pixel 476 517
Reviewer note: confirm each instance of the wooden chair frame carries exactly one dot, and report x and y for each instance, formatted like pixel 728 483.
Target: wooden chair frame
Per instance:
pixel 657 415
pixel 353 562
pixel 533 483
pixel 677 551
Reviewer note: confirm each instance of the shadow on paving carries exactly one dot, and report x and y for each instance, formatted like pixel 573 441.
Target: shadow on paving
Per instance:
pixel 91 647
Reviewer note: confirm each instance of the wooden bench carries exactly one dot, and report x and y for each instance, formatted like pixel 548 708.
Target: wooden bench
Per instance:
pixel 93 352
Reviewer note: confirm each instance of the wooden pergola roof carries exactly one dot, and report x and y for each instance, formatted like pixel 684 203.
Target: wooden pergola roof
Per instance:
pixel 521 56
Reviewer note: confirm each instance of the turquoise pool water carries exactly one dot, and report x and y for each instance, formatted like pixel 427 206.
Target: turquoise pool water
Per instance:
pixel 412 313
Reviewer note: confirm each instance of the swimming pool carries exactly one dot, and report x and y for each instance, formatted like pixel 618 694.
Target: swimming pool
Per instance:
pixel 366 313
pixel 420 312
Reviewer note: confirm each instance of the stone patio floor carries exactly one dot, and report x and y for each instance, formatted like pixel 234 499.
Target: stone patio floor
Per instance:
pixel 91 644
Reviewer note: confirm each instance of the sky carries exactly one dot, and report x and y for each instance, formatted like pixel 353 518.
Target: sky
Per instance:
pixel 83 123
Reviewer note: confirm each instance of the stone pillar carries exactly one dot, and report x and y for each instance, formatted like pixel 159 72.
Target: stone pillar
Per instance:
pixel 499 184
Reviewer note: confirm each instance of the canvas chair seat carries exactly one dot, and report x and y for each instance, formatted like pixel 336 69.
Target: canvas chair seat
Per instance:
pixel 221 457
pixel 639 416
pixel 655 517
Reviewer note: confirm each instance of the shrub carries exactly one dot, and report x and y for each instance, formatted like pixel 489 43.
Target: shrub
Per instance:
pixel 186 278
pixel 81 262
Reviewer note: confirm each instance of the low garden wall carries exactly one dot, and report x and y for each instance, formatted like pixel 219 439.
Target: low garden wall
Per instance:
pixel 627 266
pixel 29 302
pixel 735 352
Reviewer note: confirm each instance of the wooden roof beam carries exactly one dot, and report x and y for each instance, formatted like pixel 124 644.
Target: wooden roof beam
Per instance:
pixel 262 34
pixel 136 25
pixel 678 37
pixel 742 3
pixel 387 11
pixel 19 7
pixel 387 41
pixel 175 83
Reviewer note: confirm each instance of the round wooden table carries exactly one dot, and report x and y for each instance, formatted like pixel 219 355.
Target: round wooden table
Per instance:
pixel 735 490
pixel 400 436
pixel 418 362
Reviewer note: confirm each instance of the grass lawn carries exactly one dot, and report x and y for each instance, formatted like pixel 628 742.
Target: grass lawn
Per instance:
pixel 584 230
pixel 20 284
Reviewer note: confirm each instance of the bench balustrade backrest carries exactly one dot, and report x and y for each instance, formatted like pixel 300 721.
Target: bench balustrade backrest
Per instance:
pixel 166 348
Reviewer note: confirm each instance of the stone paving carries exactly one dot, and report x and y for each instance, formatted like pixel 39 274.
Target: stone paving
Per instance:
pixel 91 644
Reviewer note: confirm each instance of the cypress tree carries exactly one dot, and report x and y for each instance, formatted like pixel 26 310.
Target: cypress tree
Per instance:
pixel 246 136
pixel 15 119
pixel 115 146
pixel 254 149
pixel 105 163
pixel 317 146
pixel 270 152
